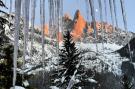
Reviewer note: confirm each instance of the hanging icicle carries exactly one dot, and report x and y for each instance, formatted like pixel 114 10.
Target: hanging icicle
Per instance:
pixel 125 25
pixel 57 23
pixel 52 18
pixel 101 22
pixel 105 9
pixel 59 12
pixel 61 15
pixel 111 11
pixel 87 9
pixel 16 36
pixel 26 28
pixel 10 10
pixel 42 22
pixel 33 6
pixel 115 12
pixel 91 2
pixel 55 20
pixel 22 10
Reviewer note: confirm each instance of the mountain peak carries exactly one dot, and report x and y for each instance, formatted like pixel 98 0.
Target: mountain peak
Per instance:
pixel 79 25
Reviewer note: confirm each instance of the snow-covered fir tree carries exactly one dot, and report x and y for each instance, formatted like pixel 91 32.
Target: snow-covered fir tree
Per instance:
pixel 70 73
pixel 6 55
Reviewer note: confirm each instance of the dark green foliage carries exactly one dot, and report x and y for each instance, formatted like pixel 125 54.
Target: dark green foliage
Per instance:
pixel 69 66
pixel 127 82
pixel 6 56
pixel 2 20
pixel 6 66
pixel 69 56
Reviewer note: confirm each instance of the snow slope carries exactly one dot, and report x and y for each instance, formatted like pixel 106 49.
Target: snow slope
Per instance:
pixel 105 59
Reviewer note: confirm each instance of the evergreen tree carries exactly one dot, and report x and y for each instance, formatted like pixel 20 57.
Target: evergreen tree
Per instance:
pixel 70 72
pixel 6 66
pixel 126 82
pixel 3 21
pixel 6 56
pixel 69 55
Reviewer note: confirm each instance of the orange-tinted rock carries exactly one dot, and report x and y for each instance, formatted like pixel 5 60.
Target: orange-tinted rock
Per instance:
pixel 46 30
pixel 79 25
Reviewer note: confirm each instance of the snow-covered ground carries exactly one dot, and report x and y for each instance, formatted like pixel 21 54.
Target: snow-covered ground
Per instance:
pixel 17 87
pixel 105 57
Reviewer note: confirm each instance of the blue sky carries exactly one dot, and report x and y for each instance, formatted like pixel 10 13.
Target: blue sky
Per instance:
pixel 70 6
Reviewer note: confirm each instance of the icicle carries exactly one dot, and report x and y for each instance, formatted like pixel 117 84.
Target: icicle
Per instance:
pixel 91 2
pixel 10 9
pixel 61 15
pixel 125 25
pixel 42 22
pixel 105 8
pixel 59 12
pixel 101 19
pixel 53 12
pixel 52 18
pixel 55 19
pixel 33 6
pixel 23 2
pixel 16 36
pixel 10 15
pixel 87 9
pixel 57 22
pixel 115 12
pixel 111 10
pixel 26 28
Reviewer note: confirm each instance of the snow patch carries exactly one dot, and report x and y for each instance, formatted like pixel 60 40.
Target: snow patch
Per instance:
pixel 17 87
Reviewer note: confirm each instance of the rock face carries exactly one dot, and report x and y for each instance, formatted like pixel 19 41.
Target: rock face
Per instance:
pixel 82 30
pixel 124 52
pixel 46 30
pixel 128 69
pixel 79 25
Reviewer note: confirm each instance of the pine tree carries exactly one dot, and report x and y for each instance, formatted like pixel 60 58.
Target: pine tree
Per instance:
pixel 6 66
pixel 2 20
pixel 6 53
pixel 70 72
pixel 69 55
pixel 126 82
pixel 6 56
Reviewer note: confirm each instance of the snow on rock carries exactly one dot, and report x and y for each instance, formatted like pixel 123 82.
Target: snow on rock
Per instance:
pixel 17 87
pixel 54 87
pixel 26 83
pixel 92 80
pixel 105 59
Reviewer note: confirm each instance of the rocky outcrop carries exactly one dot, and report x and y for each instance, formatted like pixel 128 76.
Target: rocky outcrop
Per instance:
pixel 128 68
pixel 83 30
pixel 79 25
pixel 124 52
